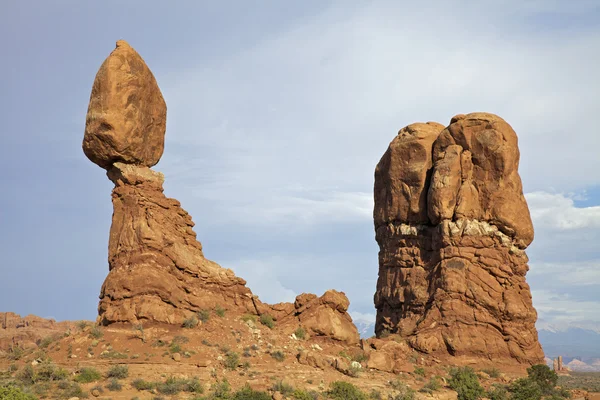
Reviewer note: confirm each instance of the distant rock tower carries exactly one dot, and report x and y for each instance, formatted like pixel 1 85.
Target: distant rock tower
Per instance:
pixel 452 226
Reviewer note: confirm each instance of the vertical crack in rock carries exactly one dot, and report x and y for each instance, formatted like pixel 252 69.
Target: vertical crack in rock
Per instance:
pixel 452 225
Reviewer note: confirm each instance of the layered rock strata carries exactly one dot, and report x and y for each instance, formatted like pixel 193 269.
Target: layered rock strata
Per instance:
pixel 452 225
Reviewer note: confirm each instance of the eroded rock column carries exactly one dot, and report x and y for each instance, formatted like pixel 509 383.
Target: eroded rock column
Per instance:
pixel 452 225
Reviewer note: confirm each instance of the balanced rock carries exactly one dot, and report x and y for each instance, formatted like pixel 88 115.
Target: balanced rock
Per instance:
pixel 452 225
pixel 157 270
pixel 127 115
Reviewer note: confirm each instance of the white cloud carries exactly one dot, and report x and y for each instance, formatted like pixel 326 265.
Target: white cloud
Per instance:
pixel 262 279
pixel 557 211
pixel 561 310
pixel 568 274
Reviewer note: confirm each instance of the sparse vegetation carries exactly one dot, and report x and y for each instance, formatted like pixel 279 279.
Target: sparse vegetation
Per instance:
pixel 283 387
pixel 433 385
pixel 248 317
pixel 118 372
pixel 465 382
pixel 589 381
pixel 420 371
pixel 112 354
pixel 82 325
pixel 492 372
pixel 141 384
pixel 525 389
pixel 247 393
pixel 15 353
pixel 190 323
pixel 96 332
pixel 114 386
pixel 140 329
pixel 267 320
pixel 203 315
pixel 300 333
pixel 14 393
pixel 402 391
pixel 220 311
pixel 340 390
pixel 87 375
pixel 278 355
pixel 497 392
pixel 232 360
pixel 540 382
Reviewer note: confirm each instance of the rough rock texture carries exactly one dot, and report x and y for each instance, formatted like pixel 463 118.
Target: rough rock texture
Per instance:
pixel 127 115
pixel 452 224
pixel 157 271
pixel 327 316
pixel 26 331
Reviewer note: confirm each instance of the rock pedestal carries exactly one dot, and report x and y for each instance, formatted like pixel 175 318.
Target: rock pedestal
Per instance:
pixel 452 225
pixel 157 271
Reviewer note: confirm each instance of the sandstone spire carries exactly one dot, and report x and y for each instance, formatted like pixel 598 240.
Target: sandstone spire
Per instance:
pixel 452 225
pixel 157 271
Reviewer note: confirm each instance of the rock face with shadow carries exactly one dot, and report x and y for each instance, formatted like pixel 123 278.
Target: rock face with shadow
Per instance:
pixel 452 226
pixel 157 270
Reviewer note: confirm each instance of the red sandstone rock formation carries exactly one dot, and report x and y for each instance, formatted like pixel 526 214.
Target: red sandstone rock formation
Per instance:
pixel 452 225
pixel 157 271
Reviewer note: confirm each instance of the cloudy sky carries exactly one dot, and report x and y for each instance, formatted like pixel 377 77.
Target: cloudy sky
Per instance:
pixel 278 114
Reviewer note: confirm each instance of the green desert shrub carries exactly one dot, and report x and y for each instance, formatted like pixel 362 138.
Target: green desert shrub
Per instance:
pixel 267 321
pixel 203 315
pixel 114 385
pixel 248 317
pixel 14 393
pixel 283 387
pixel 300 394
pixel 300 333
pixel 492 372
pixel 247 393
pixel 220 311
pixel 96 332
pixel 497 392
pixel 141 384
pixel 118 372
pixel 431 386
pixel 278 355
pixel 48 371
pixel 464 381
pixel 72 389
pixel 232 360
pixel 402 391
pixel 190 323
pixel 545 378
pixel 87 375
pixel 220 390
pixel 340 390
pixel 525 389
pixel 420 371
pixel 15 353
pixel 26 375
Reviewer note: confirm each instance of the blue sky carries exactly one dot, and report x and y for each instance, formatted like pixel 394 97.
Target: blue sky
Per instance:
pixel 278 113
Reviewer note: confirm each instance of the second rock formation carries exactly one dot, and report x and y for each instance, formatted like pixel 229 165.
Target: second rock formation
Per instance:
pixel 452 225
